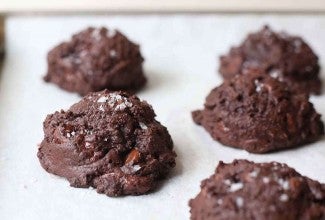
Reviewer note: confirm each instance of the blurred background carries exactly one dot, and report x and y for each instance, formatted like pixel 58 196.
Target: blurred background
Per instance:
pixel 125 6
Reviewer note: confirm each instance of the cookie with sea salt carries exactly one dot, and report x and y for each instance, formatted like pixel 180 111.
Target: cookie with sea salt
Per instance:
pixel 247 190
pixel 109 141
pixel 285 57
pixel 260 114
pixel 96 59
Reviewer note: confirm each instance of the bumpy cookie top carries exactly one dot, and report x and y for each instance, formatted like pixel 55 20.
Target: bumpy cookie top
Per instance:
pixel 247 190
pixel 256 112
pixel 108 140
pixel 95 59
pixel 286 58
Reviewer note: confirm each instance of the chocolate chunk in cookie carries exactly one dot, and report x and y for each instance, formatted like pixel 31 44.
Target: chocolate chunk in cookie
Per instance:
pixel 109 141
pixel 96 59
pixel 258 113
pixel 246 190
pixel 284 57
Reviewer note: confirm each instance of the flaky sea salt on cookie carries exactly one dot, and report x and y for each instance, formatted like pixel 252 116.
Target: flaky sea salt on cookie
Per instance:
pixel 247 190
pixel 96 59
pixel 109 141
pixel 258 113
pixel 284 57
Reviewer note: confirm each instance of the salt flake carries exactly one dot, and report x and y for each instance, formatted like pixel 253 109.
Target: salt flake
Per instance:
pixel 284 184
pixel 254 173
pixel 275 74
pixel 284 198
pixel 113 53
pixel 239 202
pixel 258 85
pixel 120 107
pixel 266 179
pixel 102 99
pixel 143 126
pixel 101 108
pixel 136 168
pixel 96 34
pixel 235 187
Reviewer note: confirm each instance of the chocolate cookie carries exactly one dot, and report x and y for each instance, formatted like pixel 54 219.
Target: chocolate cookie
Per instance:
pixel 109 141
pixel 256 112
pixel 96 59
pixel 246 190
pixel 284 57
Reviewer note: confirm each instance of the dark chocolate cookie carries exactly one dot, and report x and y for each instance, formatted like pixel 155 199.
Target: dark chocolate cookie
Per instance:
pixel 96 59
pixel 246 190
pixel 284 57
pixel 109 141
pixel 256 112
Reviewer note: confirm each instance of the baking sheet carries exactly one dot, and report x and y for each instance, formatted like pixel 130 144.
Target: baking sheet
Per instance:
pixel 181 54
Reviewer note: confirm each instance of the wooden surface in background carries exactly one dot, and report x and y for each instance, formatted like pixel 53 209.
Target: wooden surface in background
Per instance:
pixel 26 6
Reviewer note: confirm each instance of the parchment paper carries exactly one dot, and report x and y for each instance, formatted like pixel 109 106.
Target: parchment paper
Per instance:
pixel 181 61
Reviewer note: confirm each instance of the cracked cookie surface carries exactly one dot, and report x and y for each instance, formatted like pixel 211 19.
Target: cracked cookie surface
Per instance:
pixel 109 141
pixel 286 58
pixel 258 113
pixel 248 190
pixel 96 59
